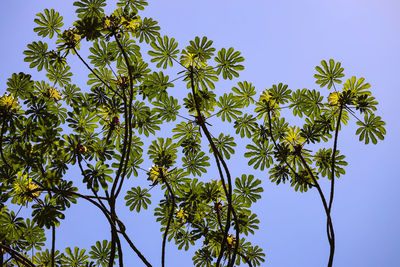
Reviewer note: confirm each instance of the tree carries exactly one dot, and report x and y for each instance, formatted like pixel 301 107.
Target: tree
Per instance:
pixel 48 129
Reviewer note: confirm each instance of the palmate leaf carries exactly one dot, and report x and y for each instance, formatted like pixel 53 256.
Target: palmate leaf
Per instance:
pixel 37 55
pixel 185 131
pixel 260 155
pixel 83 121
pixel 156 85
pixel 20 85
pixel 248 189
pixel 45 258
pixel 59 74
pixel 163 152
pixel 313 103
pixel 298 102
pixel 195 163
pixel 90 8
pixel 49 23
pixel 77 258
pixel 255 255
pixel 101 253
pixel 371 129
pixel 357 86
pixel 245 93
pixel 136 198
pixel 105 74
pixel 167 108
pixel 229 107
pixel 224 144
pixel 135 5
pixel 11 226
pixel 205 77
pixel 245 125
pixel 34 236
pixel 130 48
pixel 165 50
pixel 280 93
pixel 202 258
pixel 102 54
pixel 148 30
pixel 202 49
pixel 323 160
pixel 247 223
pixel 95 175
pixel 47 213
pixel 228 63
pixel 328 75
pixel 146 122
pixel 89 28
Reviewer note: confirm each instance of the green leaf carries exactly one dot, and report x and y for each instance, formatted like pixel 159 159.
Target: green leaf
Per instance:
pixel 248 189
pixel 328 75
pixel 148 30
pixel 245 125
pixel 371 129
pixel 49 23
pixel 228 63
pixel 165 50
pixel 280 93
pixel 102 54
pixel 196 163
pixel 136 198
pixel 229 107
pixel 90 8
pixel 20 85
pixel 167 108
pixel 134 5
pixel 260 155
pixel 163 152
pixel 245 93
pixel 101 253
pixel 224 145
pixel 77 258
pixel 37 55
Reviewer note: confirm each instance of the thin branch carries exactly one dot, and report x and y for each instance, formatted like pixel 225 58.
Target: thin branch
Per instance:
pixel 16 255
pixel 218 159
pixel 168 223
pixel 95 74
pixel 1 142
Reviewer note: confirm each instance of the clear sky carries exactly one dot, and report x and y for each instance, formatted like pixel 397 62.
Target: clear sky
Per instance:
pixel 282 41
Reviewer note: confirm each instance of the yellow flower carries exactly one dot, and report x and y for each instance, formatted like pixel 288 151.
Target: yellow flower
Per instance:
pixel 107 23
pixel 53 93
pixel 157 174
pixel 333 98
pixel 9 103
pixel 265 96
pixel 71 38
pixel 132 24
pixel 231 240
pixel 32 187
pixel 182 215
pixel 190 59
pixel 293 137
pixel 24 190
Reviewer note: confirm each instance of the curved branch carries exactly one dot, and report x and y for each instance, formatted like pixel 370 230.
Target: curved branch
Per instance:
pixel 333 159
pixel 95 74
pixel 128 125
pixel 1 142
pixel 16 255
pixel 168 224
pixel 218 157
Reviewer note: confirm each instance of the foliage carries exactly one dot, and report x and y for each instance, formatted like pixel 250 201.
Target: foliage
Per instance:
pixel 130 121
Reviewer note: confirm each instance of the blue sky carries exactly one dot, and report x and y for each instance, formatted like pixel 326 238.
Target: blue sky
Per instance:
pixel 282 41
